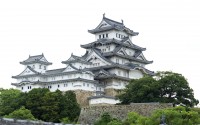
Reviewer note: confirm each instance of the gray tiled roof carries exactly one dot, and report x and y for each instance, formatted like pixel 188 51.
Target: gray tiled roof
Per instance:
pixel 54 71
pixel 113 25
pixel 135 66
pixel 72 80
pixel 112 76
pixel 76 59
pixel 106 41
pixel 35 59
pixel 57 81
pixel 28 67
pixel 107 54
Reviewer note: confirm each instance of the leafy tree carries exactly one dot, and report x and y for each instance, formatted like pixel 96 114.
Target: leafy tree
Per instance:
pixel 50 106
pixel 9 101
pixel 176 116
pixel 69 106
pixel 115 122
pixel 65 120
pixel 166 87
pixel 34 101
pixel 145 89
pixel 21 113
pixel 104 119
pixel 174 88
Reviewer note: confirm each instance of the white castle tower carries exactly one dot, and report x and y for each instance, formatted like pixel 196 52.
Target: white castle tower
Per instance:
pixel 108 65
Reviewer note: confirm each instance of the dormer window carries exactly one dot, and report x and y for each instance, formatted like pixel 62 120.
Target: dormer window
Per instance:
pixel 40 66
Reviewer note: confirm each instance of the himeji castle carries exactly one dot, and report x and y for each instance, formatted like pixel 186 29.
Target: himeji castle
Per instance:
pixel 107 66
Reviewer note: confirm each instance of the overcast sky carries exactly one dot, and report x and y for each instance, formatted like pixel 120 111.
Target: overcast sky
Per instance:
pixel 169 29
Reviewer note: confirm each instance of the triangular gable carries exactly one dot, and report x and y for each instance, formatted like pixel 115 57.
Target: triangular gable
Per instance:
pixel 43 59
pixel 102 73
pixel 94 58
pixel 141 57
pixel 27 71
pixel 122 51
pixel 128 41
pixel 71 59
pixel 69 68
pixel 103 24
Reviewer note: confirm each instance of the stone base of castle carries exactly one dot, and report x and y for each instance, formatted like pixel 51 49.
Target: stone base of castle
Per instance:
pixel 111 92
pixel 82 97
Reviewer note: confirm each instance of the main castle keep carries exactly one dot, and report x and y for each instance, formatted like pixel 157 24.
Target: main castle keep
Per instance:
pixel 108 65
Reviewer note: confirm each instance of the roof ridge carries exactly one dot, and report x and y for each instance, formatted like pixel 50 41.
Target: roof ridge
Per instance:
pixel 113 20
pixel 54 69
pixel 32 69
pixel 36 55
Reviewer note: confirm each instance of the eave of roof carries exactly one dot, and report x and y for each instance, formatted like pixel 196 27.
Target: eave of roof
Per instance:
pixel 107 54
pixel 28 67
pixel 35 59
pixel 113 25
pixel 107 41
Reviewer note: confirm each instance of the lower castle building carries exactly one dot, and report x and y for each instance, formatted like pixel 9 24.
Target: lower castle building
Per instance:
pixel 108 65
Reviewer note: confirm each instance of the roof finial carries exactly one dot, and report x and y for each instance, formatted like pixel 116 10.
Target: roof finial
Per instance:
pixel 104 15
pixel 122 21
pixel 42 54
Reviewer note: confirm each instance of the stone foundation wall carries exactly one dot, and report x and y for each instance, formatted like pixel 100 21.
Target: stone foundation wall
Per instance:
pixel 82 96
pixel 90 114
pixel 111 92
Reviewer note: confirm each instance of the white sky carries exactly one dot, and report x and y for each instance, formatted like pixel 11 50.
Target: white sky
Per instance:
pixel 169 29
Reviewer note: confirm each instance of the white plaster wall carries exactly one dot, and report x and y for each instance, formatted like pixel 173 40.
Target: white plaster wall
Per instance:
pixel 113 59
pixel 135 74
pixel 120 72
pixel 25 87
pixel 116 84
pixel 130 52
pixel 140 64
pixel 77 85
pixel 112 34
pixel 103 101
pixel 37 67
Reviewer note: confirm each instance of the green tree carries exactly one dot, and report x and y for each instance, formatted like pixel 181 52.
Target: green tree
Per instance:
pixel 115 122
pixel 21 113
pixel 176 116
pixel 69 106
pixel 166 87
pixel 175 89
pixel 145 89
pixel 104 119
pixel 34 101
pixel 9 101
pixel 50 106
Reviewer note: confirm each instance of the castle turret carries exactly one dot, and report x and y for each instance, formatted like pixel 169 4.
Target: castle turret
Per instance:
pixel 38 63
pixel 112 29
